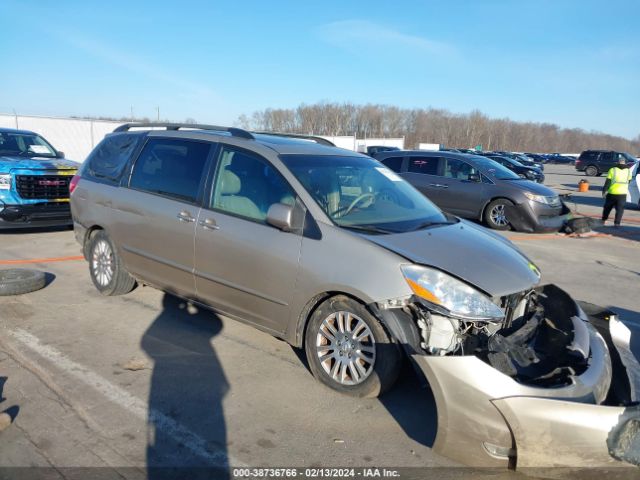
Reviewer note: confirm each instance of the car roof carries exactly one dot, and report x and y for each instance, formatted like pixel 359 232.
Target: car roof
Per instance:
pixel 427 153
pixel 15 130
pixel 287 144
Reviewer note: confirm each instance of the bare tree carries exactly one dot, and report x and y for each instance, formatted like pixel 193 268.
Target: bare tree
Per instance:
pixel 432 126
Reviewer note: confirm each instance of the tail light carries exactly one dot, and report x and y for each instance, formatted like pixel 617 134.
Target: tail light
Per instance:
pixel 73 183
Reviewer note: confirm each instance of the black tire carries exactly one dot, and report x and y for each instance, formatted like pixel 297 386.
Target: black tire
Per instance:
pixel 17 281
pixel 381 372
pixel 102 256
pixel 591 171
pixel 491 218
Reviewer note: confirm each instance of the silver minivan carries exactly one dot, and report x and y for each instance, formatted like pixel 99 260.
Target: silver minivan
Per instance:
pixel 333 252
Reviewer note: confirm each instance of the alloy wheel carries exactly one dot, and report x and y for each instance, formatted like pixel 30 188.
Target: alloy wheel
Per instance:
pixel 346 348
pixel 102 263
pixel 498 216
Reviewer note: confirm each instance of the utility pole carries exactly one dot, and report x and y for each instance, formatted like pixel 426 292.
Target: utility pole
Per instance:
pixel 132 113
pixel 158 110
pixel 15 115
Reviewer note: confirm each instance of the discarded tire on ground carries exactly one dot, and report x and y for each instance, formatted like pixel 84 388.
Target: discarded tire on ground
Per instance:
pixel 17 281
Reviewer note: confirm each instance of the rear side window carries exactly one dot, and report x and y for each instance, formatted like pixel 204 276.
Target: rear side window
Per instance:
pixel 173 168
pixel 108 159
pixel 394 163
pixel 589 156
pixel 424 165
pixel 609 157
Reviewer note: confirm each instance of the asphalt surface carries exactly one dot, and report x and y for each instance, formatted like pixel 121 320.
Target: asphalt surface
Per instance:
pixel 144 379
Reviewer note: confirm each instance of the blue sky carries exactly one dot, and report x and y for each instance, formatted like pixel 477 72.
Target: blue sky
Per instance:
pixel 574 63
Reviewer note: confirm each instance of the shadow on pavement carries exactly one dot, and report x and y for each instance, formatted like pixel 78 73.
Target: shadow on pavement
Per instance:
pixel 412 405
pixel 626 232
pixel 186 425
pixel 43 230
pixel 8 415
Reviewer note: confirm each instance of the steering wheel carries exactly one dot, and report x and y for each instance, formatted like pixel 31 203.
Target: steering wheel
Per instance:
pixel 352 205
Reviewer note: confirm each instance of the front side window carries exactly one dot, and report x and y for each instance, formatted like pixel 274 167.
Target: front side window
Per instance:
pixel 424 165
pixel 457 169
pixel 360 193
pixel 246 185
pixel 170 167
pixel 25 145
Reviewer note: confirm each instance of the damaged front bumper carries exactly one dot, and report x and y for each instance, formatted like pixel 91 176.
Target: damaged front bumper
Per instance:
pixel 525 219
pixel 487 418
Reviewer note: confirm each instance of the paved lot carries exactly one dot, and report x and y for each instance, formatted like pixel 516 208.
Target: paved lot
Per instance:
pixel 114 382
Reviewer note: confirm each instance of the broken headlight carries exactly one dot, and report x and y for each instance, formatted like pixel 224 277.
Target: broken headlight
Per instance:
pixel 458 298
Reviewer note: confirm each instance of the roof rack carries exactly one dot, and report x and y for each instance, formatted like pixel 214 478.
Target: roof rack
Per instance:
pixel 235 132
pixel 320 140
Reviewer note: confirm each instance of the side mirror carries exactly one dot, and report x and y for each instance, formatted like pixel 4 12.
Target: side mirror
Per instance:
pixel 60 154
pixel 280 216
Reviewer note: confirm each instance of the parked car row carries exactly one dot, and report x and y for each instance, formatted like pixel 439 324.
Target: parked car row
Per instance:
pixel 339 255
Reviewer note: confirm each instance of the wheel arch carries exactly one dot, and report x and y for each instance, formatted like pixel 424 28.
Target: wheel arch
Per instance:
pixel 312 305
pixel 91 231
pixel 486 204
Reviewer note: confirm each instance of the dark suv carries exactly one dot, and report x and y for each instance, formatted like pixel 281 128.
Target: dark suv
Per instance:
pixel 596 162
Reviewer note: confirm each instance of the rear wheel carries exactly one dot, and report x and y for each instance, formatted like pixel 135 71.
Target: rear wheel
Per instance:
pixel 591 171
pixel 495 215
pixel 349 350
pixel 105 267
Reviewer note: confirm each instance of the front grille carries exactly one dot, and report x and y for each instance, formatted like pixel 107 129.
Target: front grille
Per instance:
pixel 43 186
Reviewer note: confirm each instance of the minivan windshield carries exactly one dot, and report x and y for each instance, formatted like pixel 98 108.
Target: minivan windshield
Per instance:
pixel 493 169
pixel 362 194
pixel 25 145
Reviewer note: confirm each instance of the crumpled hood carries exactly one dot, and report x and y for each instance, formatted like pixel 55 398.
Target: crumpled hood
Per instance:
pixel 8 163
pixel 480 257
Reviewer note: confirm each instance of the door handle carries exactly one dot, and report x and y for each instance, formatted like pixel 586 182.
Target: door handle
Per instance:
pixel 185 216
pixel 438 185
pixel 209 224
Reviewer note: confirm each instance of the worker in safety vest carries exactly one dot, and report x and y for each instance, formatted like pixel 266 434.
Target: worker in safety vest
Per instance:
pixel 615 190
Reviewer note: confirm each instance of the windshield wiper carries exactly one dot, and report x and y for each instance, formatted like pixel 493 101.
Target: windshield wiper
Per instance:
pixel 426 225
pixel 368 228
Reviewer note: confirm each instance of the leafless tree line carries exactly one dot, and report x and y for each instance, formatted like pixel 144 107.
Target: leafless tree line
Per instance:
pixel 433 126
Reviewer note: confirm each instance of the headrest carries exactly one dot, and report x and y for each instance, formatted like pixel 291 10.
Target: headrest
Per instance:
pixel 230 183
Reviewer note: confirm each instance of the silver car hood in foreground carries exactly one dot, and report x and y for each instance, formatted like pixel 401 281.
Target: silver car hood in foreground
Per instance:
pixel 469 252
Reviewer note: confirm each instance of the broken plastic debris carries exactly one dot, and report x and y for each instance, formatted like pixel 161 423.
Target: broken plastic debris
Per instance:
pixel 135 364
pixel 5 420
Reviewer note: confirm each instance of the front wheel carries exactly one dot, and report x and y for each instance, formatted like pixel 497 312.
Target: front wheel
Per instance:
pixel 349 350
pixel 106 269
pixel 495 214
pixel 591 171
